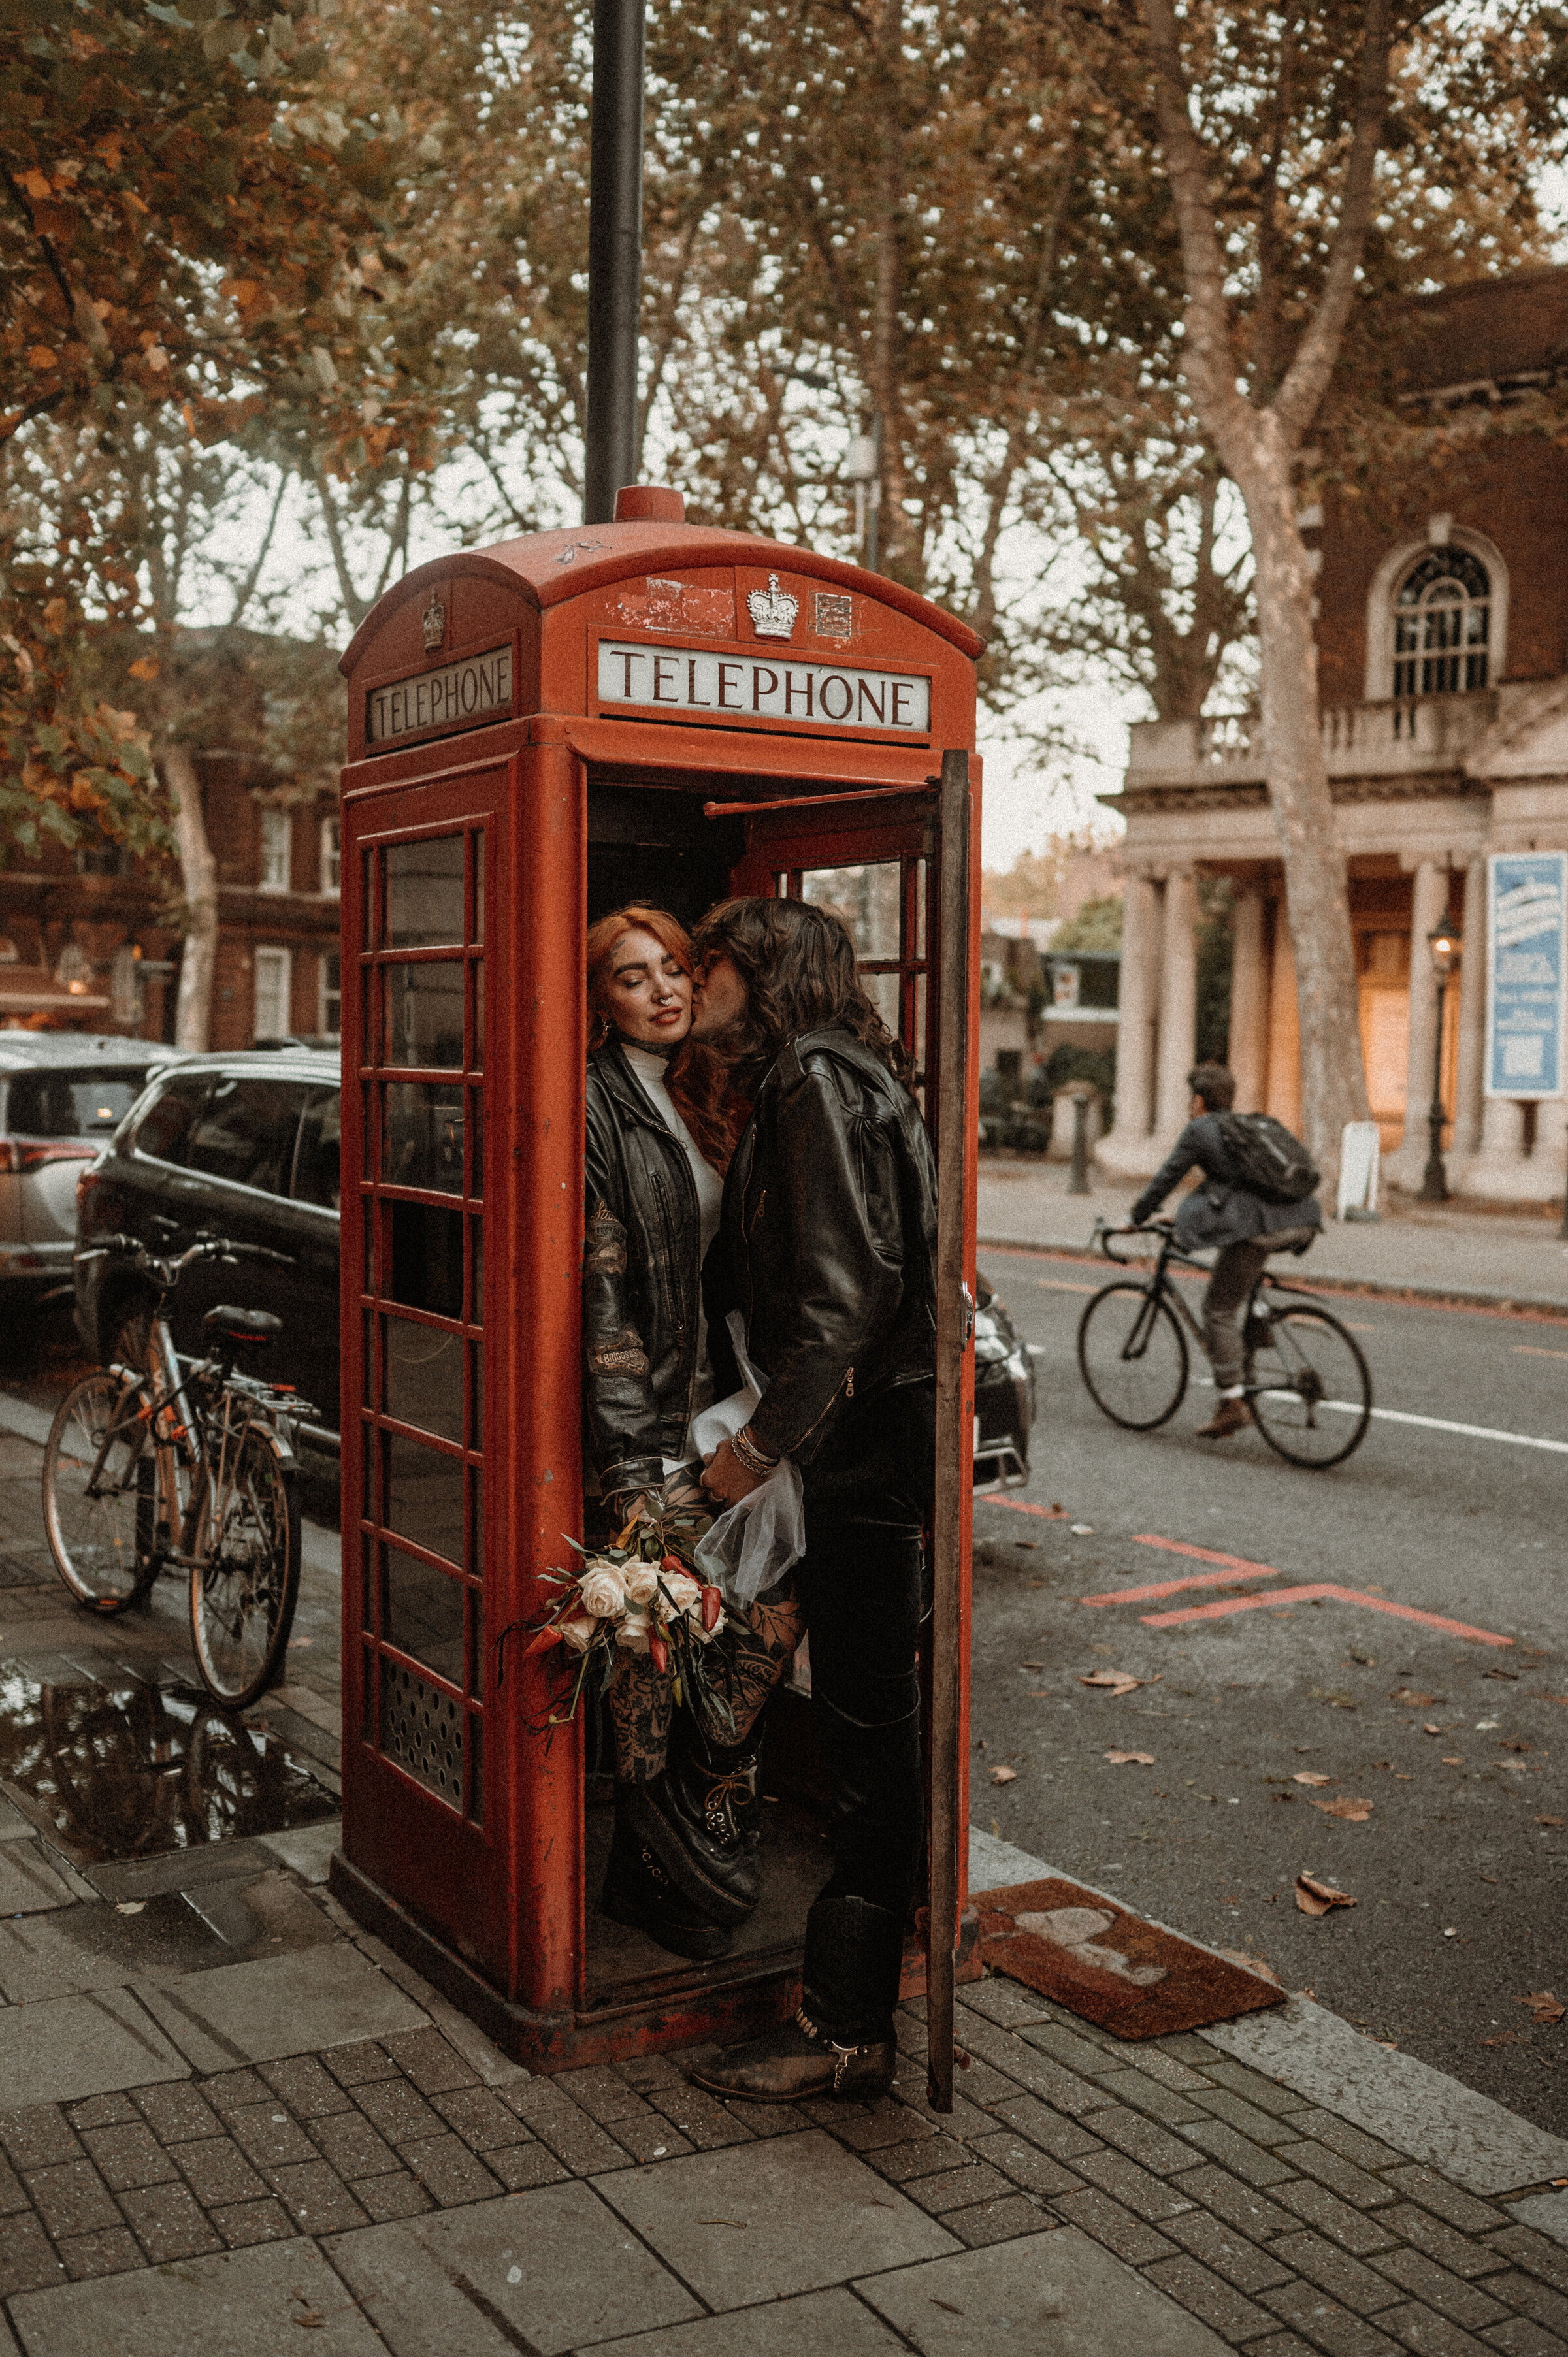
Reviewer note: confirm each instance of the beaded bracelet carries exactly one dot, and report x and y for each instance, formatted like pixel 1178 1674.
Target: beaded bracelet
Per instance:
pixel 750 1456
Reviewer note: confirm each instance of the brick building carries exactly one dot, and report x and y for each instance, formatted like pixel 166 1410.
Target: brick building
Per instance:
pixel 1442 640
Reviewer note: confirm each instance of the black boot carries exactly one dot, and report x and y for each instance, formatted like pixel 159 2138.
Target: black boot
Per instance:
pixel 712 1792
pixel 637 1892
pixel 685 1818
pixel 841 2041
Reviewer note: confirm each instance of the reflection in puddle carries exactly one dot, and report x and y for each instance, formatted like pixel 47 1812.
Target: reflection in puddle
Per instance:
pixel 115 1772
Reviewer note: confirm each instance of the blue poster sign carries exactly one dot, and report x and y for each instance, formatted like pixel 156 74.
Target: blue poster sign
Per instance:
pixel 1526 969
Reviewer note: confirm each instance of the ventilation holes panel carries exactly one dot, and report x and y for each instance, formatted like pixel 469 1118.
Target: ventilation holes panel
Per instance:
pixel 422 1730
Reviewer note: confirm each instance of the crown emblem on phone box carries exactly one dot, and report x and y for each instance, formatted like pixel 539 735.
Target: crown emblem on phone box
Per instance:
pixel 434 624
pixel 772 610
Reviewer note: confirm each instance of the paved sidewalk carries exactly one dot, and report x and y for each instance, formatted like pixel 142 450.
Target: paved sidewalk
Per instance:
pixel 1431 1252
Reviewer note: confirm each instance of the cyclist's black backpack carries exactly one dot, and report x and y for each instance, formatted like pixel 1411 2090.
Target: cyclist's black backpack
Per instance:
pixel 1267 1159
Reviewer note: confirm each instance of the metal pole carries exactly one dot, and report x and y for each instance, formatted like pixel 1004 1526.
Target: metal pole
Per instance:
pixel 1078 1183
pixel 1562 1231
pixel 1434 1179
pixel 615 254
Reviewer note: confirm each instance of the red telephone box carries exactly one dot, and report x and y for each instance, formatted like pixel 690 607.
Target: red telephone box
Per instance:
pixel 539 732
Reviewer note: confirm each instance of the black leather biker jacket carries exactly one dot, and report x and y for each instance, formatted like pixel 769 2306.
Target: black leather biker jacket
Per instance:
pixel 828 1241
pixel 640 1283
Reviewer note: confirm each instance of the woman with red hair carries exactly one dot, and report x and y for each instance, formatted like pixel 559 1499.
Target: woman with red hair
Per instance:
pixel 683 1863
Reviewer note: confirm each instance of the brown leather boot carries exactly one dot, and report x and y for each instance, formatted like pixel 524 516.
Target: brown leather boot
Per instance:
pixel 798 2061
pixel 1230 1415
pixel 841 2041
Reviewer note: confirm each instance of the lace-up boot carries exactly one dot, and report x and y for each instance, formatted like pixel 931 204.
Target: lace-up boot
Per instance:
pixel 638 1891
pixel 841 2041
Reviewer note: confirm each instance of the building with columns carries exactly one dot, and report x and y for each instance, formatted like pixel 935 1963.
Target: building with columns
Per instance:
pixel 1442 652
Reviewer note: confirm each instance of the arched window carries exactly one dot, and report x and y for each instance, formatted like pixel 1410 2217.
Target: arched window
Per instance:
pixel 1442 619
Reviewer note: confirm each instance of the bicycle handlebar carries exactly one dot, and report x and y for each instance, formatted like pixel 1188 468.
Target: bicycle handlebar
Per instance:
pixel 167 1273
pixel 1104 1234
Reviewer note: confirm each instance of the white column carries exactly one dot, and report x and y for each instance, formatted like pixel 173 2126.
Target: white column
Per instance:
pixel 1405 1164
pixel 1178 1006
pixel 1126 1150
pixel 1472 1014
pixel 1249 999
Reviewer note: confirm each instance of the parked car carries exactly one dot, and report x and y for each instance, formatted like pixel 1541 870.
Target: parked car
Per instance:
pixel 243 1146
pixel 1003 1395
pixel 61 1095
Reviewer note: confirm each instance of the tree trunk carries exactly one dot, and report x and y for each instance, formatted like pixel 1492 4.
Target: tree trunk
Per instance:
pixel 199 879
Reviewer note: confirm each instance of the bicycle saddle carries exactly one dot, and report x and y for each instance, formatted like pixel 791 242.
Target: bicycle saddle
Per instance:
pixel 228 1324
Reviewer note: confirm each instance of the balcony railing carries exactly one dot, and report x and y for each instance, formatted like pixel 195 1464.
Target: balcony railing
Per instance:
pixel 1358 740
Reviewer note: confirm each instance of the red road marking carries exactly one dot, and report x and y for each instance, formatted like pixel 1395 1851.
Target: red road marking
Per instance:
pixel 1206 1554
pixel 1306 1595
pixel 1175 1587
pixel 1021 1506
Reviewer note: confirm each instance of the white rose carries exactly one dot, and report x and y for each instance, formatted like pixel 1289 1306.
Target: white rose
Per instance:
pixel 601 1591
pixel 577 1635
pixel 641 1581
pixel 684 1593
pixel 631 1635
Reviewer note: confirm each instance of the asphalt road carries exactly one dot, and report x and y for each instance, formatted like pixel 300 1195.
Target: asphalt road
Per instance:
pixel 1457 1745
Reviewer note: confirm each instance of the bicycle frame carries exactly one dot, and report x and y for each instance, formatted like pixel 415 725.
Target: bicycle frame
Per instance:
pixel 1162 1288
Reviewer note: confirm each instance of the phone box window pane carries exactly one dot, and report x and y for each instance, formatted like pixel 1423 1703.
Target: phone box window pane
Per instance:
pixel 370 1499
pixel 425 893
pixel 476 1768
pixel 478 1058
pixel 424 1377
pixel 368 1697
pixel 367 1556
pixel 476 1113
pixel 425 1614
pixel 367 1205
pixel 368 886
pixel 425 1496
pixel 477 1410
pixel 367 1054
pixel 478 888
pixel 476 1520
pixel 478 1312
pixel 423 1006
pixel 476 1651
pixel 427 1259
pixel 369 1391
pixel 422 1136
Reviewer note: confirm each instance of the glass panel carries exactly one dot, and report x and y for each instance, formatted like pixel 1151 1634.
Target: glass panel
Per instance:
pixel 368 1338
pixel 368 1697
pixel 476 1113
pixel 424 1377
pixel 865 896
pixel 476 1405
pixel 425 893
pixel 425 1496
pixel 422 1136
pixel 367 1583
pixel 367 898
pixel 427 1259
pixel 164 1130
pixel 425 1614
pixel 71 1103
pixel 369 1208
pixel 477 1313
pixel 423 1011
pixel 318 1157
pixel 478 888
pixel 367 1054
pixel 477 1656
pixel 922 887
pixel 478 1058
pixel 882 989
pixel 476 1520
pixel 477 1754
pixel 370 1501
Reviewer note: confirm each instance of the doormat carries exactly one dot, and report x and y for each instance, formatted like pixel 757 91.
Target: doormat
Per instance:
pixel 1094 1959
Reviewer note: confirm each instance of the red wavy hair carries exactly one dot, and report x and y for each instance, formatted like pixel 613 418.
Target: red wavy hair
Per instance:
pixel 696 1078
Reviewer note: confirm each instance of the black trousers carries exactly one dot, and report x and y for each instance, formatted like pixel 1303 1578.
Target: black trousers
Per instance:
pixel 863 1585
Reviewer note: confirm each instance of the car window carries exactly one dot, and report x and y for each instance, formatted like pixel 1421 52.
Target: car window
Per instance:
pixel 318 1155
pixel 66 1103
pixel 164 1130
pixel 245 1133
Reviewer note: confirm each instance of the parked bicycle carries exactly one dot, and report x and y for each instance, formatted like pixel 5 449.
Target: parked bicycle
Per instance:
pixel 1306 1381
pixel 148 1468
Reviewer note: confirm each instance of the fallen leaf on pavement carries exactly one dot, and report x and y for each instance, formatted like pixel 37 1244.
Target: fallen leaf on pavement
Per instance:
pixel 1418 1701
pixel 1430 1729
pixel 1315 1897
pixel 129 1906
pixel 1504 1745
pixel 1512 1676
pixel 1543 2005
pixel 1355 1812
pixel 1005 1775
pixel 1120 1681
pixel 1131 1758
pixel 1453 1759
pixel 1082 1529
pixel 1310 1776
pixel 1549 1821
pixel 1252 1964
pixel 1031 1665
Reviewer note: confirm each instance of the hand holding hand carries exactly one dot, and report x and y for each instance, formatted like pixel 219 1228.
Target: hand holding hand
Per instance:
pixel 724 1477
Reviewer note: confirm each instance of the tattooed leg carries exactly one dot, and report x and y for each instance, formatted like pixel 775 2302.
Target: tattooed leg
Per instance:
pixel 640 1705
pixel 758 1647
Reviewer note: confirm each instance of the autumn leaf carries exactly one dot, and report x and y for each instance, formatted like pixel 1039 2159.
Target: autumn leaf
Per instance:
pixel 1118 1682
pixel 1315 1898
pixel 1549 1821
pixel 1129 1759
pixel 1310 1776
pixel 1543 2006
pixel 1354 1812
pixel 1005 1775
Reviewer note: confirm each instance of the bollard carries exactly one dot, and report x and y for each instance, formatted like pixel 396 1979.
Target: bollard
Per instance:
pixel 1078 1183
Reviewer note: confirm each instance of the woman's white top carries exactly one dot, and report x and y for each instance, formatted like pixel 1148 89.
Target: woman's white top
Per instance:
pixel 650 1070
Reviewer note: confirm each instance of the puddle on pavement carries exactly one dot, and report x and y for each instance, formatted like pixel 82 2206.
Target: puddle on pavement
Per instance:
pixel 124 1770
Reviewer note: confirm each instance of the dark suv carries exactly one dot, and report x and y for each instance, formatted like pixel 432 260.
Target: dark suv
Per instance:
pixel 241 1145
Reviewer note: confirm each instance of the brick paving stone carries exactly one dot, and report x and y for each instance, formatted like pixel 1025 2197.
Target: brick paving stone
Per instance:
pixel 1063 2139
pixel 1352 2184
pixel 1435 2192
pixel 1235 2152
pixel 1336 2272
pixel 270 2138
pixel 1005 2002
pixel 1535 2299
pixel 1241 2206
pixel 12 2197
pixel 1325 2324
pixel 1417 2327
pixel 1107 2222
pixel 479 2118
pixel 646 2075
pixel 880 2124
pixel 603 2094
pixel 217 2170
pixel 72 2199
pixel 898 2163
pixel 390 2198
pixel 129 2155
pixel 1067 2047
pixel 1025 2165
pixel 979 2083
pixel 305 2086
pixel 176 2114
pixel 231 2091
pixel 28 2261
pixel 1186 2046
pixel 449 2172
pixel 1231 2255
pixel 1452 2250
pixel 398 2110
pixel 1143 2141
pixel 431 2061
pixel 1146 2094
pixel 242 2222
pixel 1219 2304
pixel 520 2167
pixel 1279 2345
pixel 112 2252
pixel 767 2119
pixel 1000 2221
pixel 1252 2085
pixel 829 2113
pixel 1038 2073
pixel 352 2146
pixel 1158 2062
pixel 571 2135
pixel 1520 2338
pixel 910 2036
pixel 1264 2128
pixel 38 2135
pixel 1527 2249
pixel 1351 2229
pixel 1464 2303
pixel 168 2223
pixel 1126 2181
pixel 102 2112
pixel 959 2188
pixel 316 2198
pixel 701 2119
pixel 357 2064
pixel 651 2137
pixel 1350 2143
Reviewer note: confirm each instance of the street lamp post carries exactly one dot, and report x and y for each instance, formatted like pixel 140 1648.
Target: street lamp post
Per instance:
pixel 1445 946
pixel 615 254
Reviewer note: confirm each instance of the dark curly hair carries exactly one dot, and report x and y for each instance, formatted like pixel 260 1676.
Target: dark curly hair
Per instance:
pixel 798 964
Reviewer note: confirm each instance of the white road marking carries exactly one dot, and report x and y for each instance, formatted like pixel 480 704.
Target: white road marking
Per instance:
pixel 1441 1424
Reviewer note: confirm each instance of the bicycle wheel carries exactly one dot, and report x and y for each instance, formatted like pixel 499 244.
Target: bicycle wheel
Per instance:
pixel 1309 1388
pixel 98 1468
pixel 244 1582
pixel 1132 1356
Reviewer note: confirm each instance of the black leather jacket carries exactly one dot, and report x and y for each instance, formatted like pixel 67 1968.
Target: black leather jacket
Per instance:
pixel 828 1241
pixel 641 1282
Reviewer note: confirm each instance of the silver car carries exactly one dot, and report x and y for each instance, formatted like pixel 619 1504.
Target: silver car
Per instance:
pixel 62 1096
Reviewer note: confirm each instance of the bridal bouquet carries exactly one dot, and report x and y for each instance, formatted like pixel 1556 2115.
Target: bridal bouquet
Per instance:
pixel 637 1596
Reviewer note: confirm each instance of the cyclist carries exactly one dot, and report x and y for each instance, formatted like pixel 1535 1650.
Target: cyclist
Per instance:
pixel 1245 1228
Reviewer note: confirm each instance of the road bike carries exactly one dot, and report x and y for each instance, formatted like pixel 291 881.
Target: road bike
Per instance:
pixel 1305 1377
pixel 151 1467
